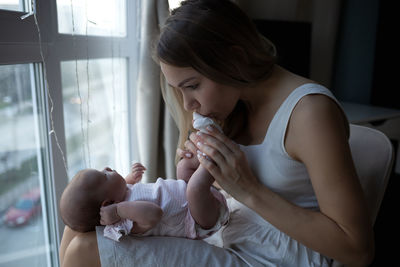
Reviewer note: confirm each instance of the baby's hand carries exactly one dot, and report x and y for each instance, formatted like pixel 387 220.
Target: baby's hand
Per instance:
pixel 109 215
pixel 136 173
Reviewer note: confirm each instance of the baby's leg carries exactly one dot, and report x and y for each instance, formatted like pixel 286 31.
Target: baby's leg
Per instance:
pixel 203 206
pixel 186 167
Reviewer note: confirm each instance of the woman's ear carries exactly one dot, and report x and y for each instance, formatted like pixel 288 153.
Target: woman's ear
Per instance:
pixel 107 202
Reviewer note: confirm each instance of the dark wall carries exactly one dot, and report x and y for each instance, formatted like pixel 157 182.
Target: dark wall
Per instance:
pixel 367 56
pixel 355 54
pixel 385 85
pixel 367 51
pixel 292 41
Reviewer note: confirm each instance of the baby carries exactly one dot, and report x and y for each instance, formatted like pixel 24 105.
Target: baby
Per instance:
pixel 187 207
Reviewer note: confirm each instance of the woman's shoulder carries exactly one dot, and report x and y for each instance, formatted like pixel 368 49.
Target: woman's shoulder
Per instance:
pixel 307 97
pixel 320 106
pixel 316 117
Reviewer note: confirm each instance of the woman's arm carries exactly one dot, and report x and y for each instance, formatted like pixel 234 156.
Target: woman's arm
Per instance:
pixel 317 137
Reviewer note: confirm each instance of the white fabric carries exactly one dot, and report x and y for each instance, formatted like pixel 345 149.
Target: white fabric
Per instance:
pixel 271 163
pixel 247 235
pixel 118 230
pixel 200 122
pixel 276 169
pixel 176 221
pixel 373 171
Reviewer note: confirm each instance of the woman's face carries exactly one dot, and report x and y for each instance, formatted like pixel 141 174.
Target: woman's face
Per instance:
pixel 201 94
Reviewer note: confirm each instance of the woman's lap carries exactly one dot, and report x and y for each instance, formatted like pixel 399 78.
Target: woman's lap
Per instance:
pixel 162 251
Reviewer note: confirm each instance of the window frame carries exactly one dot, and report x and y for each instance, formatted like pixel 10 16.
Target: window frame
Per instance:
pixel 19 44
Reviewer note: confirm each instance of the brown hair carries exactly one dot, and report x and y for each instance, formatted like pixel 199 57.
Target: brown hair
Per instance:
pixel 81 202
pixel 217 39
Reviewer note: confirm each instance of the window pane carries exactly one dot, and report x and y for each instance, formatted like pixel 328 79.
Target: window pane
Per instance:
pixel 15 5
pixel 23 228
pixel 174 3
pixel 92 17
pixel 96 120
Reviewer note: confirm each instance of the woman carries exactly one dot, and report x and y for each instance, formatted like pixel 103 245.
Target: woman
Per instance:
pixel 284 157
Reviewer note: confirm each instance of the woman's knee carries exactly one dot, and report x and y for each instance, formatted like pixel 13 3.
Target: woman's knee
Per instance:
pixel 82 251
pixel 67 237
pixel 86 241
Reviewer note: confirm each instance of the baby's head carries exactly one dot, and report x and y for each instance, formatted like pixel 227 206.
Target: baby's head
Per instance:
pixel 86 193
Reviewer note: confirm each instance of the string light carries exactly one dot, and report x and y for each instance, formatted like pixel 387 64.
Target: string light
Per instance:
pixel 47 87
pixel 78 84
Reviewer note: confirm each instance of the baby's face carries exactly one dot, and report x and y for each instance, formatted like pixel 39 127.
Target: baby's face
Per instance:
pixel 114 184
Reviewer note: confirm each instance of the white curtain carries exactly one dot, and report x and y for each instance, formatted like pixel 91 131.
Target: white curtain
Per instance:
pixel 157 132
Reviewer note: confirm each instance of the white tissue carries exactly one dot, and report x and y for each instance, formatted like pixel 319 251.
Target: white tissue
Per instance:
pixel 200 122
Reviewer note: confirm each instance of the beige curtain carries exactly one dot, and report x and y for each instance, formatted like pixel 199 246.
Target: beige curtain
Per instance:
pixel 157 132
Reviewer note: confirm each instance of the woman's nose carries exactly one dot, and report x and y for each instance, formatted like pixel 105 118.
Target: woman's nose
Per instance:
pixel 190 104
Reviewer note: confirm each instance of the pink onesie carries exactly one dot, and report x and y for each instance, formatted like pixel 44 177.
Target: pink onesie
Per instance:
pixel 176 221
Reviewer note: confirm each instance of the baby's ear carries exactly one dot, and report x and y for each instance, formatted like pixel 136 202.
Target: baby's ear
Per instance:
pixel 107 202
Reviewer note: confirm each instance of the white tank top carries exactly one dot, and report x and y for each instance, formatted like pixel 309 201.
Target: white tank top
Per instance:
pixel 271 163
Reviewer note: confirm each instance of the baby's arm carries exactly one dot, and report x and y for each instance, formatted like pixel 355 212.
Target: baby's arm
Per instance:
pixel 136 173
pixel 144 214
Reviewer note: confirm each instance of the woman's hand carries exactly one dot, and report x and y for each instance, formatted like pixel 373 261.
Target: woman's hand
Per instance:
pixel 225 161
pixel 109 214
pixel 187 153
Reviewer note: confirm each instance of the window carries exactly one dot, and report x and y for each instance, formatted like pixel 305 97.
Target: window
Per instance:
pixel 15 5
pixel 22 202
pixel 94 17
pixel 96 114
pixel 67 94
pixel 174 3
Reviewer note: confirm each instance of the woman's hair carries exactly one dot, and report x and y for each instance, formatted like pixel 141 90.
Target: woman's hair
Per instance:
pixel 80 203
pixel 217 39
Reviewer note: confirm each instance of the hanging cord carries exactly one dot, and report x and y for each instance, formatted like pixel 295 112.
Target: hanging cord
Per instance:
pixel 88 84
pixel 114 113
pixel 78 86
pixel 52 131
pixel 119 62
